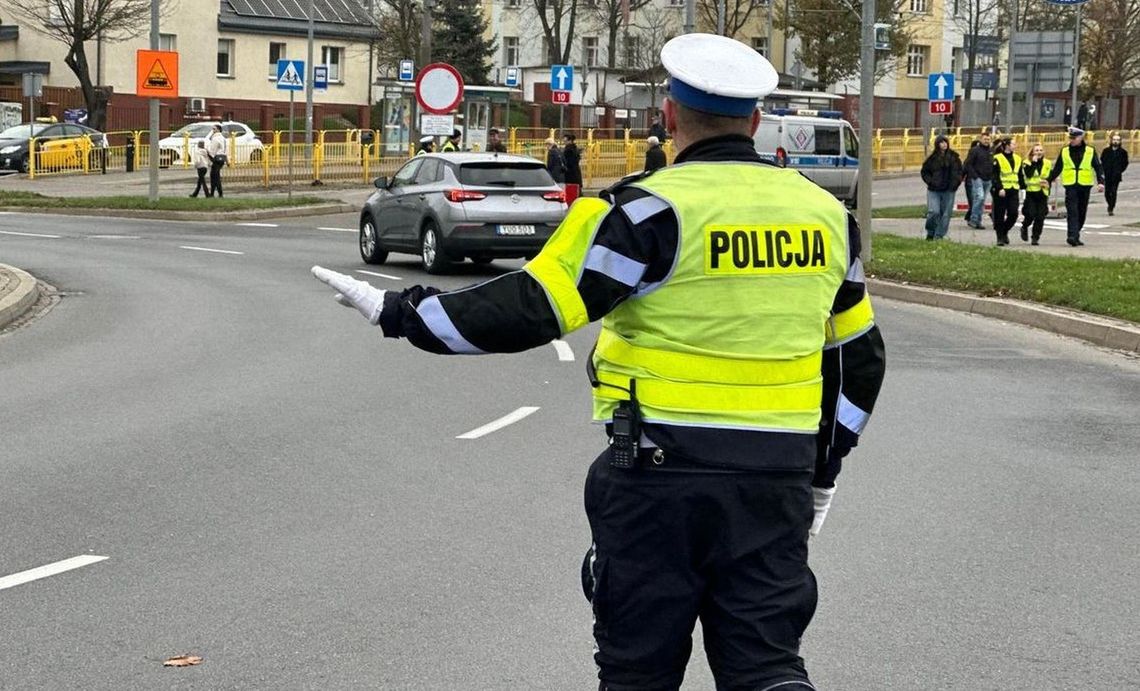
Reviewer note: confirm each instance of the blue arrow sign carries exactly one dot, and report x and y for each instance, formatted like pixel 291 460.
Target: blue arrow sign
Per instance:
pixel 291 75
pixel 512 76
pixel 407 70
pixel 562 77
pixel 940 86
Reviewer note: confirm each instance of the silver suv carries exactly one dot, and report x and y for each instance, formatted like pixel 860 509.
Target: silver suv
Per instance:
pixel 445 207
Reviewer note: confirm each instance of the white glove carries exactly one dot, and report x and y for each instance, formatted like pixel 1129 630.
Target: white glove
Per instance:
pixel 367 300
pixel 821 499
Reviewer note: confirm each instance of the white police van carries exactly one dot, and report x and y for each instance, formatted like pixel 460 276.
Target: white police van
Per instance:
pixel 818 143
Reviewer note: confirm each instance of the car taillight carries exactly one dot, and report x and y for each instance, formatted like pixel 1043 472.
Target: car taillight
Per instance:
pixel 463 196
pixel 559 196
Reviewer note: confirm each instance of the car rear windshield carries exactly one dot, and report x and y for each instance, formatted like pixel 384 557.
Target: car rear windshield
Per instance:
pixel 493 173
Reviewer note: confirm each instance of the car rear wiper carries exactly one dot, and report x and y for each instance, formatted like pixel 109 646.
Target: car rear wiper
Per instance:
pixel 501 183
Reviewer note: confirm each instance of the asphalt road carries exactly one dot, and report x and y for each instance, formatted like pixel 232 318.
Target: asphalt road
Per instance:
pixel 279 490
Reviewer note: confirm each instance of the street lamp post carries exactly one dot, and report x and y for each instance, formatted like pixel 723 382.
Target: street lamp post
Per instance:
pixel 866 125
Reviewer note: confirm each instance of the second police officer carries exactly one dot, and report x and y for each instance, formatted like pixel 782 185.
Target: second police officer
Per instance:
pixel 737 364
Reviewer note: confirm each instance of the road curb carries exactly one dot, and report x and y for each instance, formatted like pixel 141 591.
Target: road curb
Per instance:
pixel 200 216
pixel 1101 331
pixel 14 302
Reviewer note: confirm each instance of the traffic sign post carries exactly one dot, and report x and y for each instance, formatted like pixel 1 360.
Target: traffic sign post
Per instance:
pixel 439 88
pixel 560 97
pixel 156 73
pixel 320 77
pixel 561 77
pixel 941 107
pixel 407 70
pixel 940 86
pixel 291 78
pixel 512 79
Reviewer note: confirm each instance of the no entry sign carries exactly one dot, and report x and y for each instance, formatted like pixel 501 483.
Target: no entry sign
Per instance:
pixel 439 88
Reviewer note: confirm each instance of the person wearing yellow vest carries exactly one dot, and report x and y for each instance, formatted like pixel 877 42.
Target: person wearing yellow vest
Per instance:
pixel 452 142
pixel 427 145
pixel 1007 183
pixel 737 364
pixel 1035 172
pixel 1078 167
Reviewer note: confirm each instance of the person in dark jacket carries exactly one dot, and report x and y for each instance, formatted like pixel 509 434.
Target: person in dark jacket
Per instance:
pixel 555 165
pixel 1114 159
pixel 657 129
pixel 571 158
pixel 942 173
pixel 654 155
pixel 495 142
pixel 1008 181
pixel 1078 167
pixel 966 187
pixel 979 167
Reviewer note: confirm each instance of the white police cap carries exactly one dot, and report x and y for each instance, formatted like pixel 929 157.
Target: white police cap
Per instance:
pixel 716 74
pixel 426 138
pixel 1075 131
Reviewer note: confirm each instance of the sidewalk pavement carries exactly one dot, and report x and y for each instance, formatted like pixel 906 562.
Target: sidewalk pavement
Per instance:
pixel 1104 241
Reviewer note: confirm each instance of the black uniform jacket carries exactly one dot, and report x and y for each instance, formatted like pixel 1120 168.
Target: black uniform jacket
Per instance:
pixel 512 313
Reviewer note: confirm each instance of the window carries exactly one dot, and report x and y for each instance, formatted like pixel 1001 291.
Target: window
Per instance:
pixel 826 141
pixel 332 57
pixel 916 60
pixel 511 3
pixel 632 50
pixel 407 174
pixel 760 45
pixel 167 42
pixel 850 142
pixel 55 15
pixel 590 51
pixel 430 171
pixel 676 3
pixel 759 3
pixel 276 52
pixel 918 6
pixel 511 50
pixel 225 57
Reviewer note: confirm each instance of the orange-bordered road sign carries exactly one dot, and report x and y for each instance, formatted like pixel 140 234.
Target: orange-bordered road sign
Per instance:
pixel 156 73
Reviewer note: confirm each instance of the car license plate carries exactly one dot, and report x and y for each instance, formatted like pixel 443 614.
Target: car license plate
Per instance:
pixel 516 230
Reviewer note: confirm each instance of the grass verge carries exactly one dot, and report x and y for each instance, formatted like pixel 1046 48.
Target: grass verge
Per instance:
pixel 1109 287
pixel 239 203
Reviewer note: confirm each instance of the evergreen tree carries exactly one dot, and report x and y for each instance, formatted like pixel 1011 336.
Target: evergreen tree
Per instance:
pixel 458 39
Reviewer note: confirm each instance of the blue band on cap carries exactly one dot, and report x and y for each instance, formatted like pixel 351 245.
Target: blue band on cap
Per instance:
pixel 710 103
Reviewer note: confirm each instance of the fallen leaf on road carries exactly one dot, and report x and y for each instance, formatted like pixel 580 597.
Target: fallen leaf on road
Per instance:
pixel 182 661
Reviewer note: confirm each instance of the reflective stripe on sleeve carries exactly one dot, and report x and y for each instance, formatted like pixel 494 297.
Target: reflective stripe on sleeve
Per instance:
pixel 850 323
pixel 851 416
pixel 855 273
pixel 617 266
pixel 640 209
pixel 436 320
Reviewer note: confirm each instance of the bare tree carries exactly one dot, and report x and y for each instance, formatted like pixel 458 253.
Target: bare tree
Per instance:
pixel 643 42
pixel 973 17
pixel 558 19
pixel 1110 46
pixel 736 14
pixel 74 22
pixel 830 35
pixel 613 17
pixel 399 23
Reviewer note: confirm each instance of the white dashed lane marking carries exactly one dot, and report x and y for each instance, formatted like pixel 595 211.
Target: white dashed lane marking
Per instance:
pixel 258 225
pixel 565 354
pixel 29 235
pixel 500 423
pixel 207 249
pixel 373 273
pixel 340 230
pixel 48 570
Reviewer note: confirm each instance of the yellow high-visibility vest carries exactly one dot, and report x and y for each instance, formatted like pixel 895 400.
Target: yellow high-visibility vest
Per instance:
pixel 1040 181
pixel 1008 170
pixel 1071 174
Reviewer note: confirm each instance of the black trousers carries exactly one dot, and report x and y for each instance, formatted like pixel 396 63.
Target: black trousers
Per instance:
pixel 202 186
pixel 1110 187
pixel 216 179
pixel 1035 209
pixel 1005 213
pixel 671 547
pixel 1076 207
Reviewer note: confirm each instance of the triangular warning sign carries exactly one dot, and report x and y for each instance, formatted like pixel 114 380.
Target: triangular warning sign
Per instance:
pixel 157 79
pixel 290 77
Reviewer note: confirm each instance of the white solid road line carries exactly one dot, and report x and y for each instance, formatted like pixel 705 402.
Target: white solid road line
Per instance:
pixel 564 352
pixel 258 225
pixel 29 235
pixel 207 249
pixel 373 273
pixel 500 423
pixel 340 230
pixel 1062 224
pixel 49 570
pixel 114 237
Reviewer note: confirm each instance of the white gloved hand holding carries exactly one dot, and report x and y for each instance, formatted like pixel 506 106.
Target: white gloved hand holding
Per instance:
pixel 367 300
pixel 821 500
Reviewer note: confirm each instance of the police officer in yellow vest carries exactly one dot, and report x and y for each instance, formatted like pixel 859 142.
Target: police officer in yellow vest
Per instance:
pixel 427 145
pixel 452 143
pixel 737 364
pixel 1078 167
pixel 1035 171
pixel 1007 183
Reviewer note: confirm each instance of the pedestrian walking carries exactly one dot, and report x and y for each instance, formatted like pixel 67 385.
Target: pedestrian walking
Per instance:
pixel 202 166
pixel 555 165
pixel 979 167
pixel 966 185
pixel 657 129
pixel 942 173
pixel 1078 167
pixel 1007 185
pixel 495 142
pixel 1114 159
pixel 1082 116
pixel 1035 171
pixel 216 151
pixel 730 389
pixel 571 159
pixel 654 155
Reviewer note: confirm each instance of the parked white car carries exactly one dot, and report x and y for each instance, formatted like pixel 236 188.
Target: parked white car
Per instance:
pixel 245 146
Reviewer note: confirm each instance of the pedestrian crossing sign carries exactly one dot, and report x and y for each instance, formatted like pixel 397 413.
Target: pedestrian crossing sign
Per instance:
pixel 290 75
